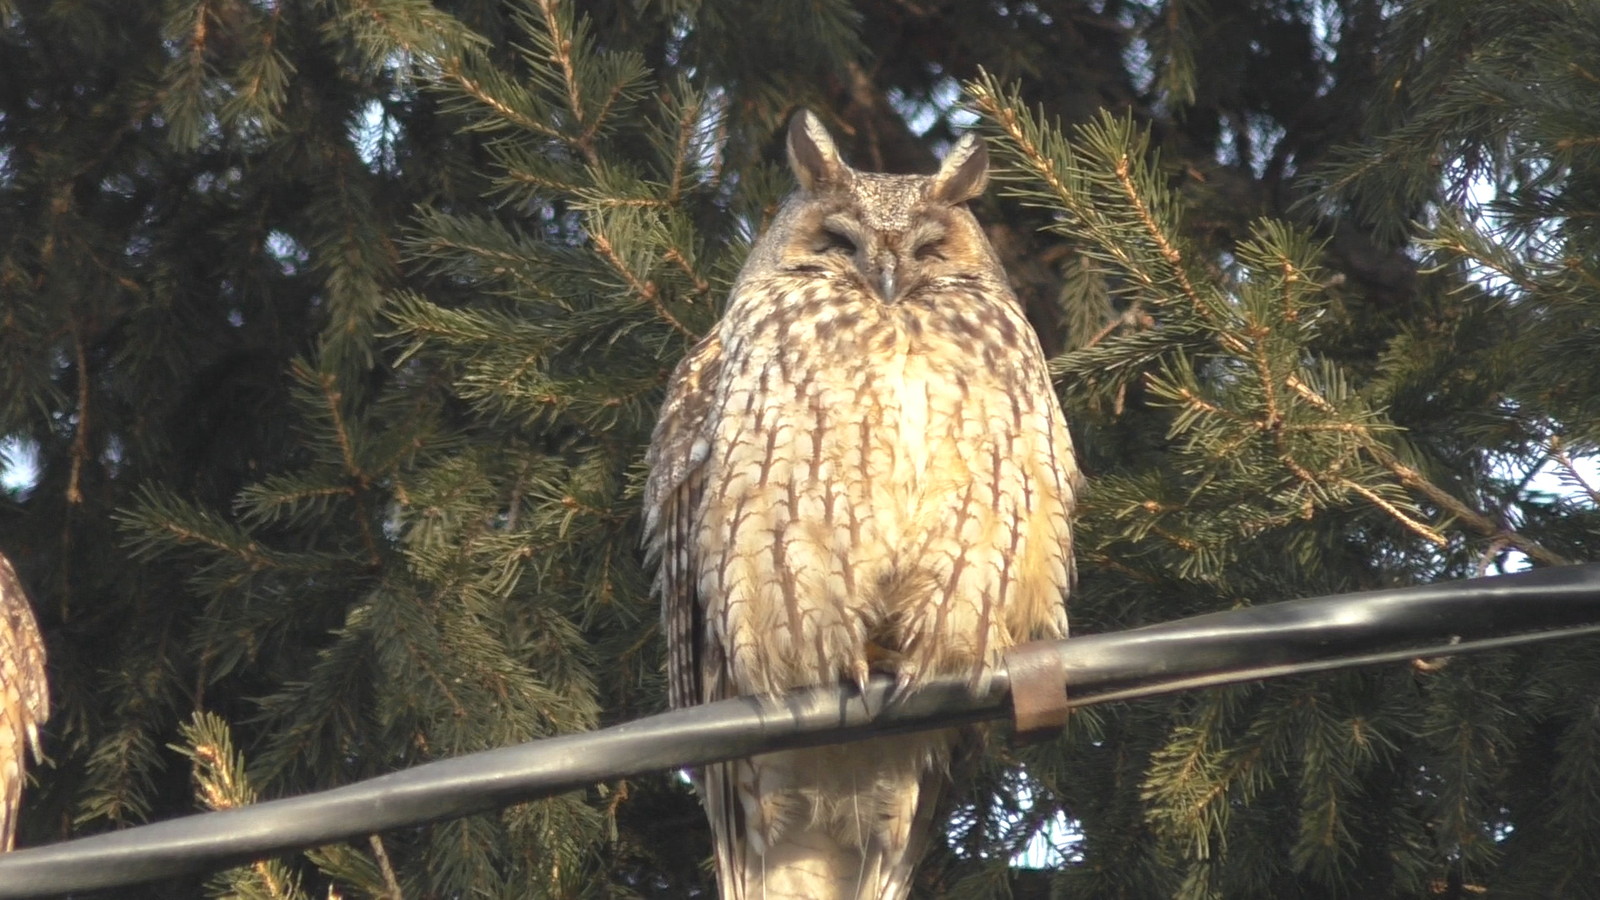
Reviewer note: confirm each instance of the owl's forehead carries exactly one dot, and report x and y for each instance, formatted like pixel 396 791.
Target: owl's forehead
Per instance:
pixel 888 202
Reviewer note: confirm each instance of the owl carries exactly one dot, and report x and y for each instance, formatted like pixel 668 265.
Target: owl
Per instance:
pixel 863 468
pixel 24 700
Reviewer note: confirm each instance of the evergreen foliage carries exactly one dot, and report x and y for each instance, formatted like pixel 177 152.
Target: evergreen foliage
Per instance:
pixel 333 333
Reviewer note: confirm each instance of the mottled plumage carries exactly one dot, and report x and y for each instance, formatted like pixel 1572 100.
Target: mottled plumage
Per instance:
pixel 863 467
pixel 24 698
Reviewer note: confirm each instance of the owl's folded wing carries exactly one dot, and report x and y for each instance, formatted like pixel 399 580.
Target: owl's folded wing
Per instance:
pixel 676 458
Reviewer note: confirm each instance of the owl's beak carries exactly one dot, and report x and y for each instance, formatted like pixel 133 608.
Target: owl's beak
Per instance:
pixel 887 279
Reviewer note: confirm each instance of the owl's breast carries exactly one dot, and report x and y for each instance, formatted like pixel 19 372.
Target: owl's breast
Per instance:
pixel 894 384
pixel 936 384
pixel 886 403
pixel 866 460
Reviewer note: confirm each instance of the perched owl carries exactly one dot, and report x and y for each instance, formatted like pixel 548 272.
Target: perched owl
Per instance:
pixel 24 700
pixel 862 468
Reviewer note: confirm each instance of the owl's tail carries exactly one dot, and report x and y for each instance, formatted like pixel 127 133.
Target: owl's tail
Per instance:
pixel 835 823
pixel 11 778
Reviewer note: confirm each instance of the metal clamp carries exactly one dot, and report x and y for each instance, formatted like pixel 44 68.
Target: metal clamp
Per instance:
pixel 1038 689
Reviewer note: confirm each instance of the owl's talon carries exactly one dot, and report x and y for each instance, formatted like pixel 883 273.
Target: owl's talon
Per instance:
pixel 859 673
pixel 902 682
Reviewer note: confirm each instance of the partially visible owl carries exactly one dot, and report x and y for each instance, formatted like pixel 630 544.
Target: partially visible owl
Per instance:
pixel 864 467
pixel 24 698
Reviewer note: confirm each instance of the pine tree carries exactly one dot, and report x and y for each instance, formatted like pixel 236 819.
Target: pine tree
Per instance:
pixel 335 331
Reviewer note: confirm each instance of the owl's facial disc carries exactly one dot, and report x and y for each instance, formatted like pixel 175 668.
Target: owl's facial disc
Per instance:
pixel 869 253
pixel 890 264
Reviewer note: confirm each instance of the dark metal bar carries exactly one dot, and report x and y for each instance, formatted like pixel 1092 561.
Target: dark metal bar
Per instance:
pixel 1221 648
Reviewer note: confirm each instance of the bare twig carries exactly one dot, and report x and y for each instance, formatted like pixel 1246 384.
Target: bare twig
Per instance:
pixel 1487 557
pixel 1133 315
pixel 80 438
pixel 390 881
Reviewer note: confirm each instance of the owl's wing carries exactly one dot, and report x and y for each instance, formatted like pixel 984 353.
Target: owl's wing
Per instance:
pixel 676 458
pixel 24 699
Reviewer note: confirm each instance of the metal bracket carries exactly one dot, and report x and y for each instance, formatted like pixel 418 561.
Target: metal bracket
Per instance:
pixel 1038 689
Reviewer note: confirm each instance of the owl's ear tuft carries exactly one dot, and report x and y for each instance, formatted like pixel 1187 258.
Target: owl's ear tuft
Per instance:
pixel 964 173
pixel 813 157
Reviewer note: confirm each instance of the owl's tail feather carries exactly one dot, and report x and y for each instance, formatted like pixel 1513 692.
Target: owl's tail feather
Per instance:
pixel 806 863
pixel 826 824
pixel 899 874
pixel 11 778
pixel 720 798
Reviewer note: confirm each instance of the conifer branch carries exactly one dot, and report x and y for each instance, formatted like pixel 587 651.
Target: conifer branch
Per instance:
pixel 197 36
pixel 1195 401
pixel 1177 540
pixel 333 399
pixel 265 82
pixel 220 783
pixel 1463 251
pixel 294 493
pixel 535 180
pixel 995 107
pixel 1024 136
pixel 646 290
pixel 1482 524
pixel 475 89
pixel 1413 479
pixel 1421 530
pixel 676 257
pixel 421 31
pixel 1164 245
pixel 250 553
pixel 680 156
pixel 561 51
pixel 620 202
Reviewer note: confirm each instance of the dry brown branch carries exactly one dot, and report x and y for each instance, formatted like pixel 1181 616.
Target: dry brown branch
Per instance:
pixel 80 437
pixel 391 883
